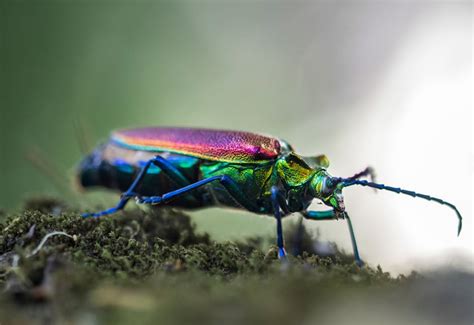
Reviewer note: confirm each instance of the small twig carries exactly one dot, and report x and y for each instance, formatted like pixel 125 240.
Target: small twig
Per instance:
pixel 45 238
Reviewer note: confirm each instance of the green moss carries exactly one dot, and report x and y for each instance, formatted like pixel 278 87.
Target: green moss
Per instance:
pixel 137 243
pixel 153 266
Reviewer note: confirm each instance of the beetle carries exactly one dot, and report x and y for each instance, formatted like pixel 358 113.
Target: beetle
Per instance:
pixel 195 168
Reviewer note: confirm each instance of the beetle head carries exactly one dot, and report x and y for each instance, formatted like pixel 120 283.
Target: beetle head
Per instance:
pixel 328 189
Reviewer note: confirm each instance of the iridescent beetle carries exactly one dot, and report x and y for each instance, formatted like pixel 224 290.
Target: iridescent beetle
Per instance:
pixel 194 168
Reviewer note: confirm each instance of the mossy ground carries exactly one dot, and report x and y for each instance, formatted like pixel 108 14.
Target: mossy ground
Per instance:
pixel 153 267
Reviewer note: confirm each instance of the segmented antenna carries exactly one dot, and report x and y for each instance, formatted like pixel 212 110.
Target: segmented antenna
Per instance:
pixel 81 136
pixel 47 166
pixel 349 182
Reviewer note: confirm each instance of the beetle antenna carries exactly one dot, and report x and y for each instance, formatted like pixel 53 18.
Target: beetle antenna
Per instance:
pixel 47 167
pixel 81 136
pixel 349 182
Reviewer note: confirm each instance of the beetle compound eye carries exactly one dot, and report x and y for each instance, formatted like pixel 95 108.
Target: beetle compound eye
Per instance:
pixel 329 186
pixel 329 183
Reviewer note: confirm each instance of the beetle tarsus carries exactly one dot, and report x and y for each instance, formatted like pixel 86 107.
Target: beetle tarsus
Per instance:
pixel 282 254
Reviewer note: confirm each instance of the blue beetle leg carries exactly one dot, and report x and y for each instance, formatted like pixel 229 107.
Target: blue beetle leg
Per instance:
pixel 229 184
pixel 171 171
pixel 330 215
pixel 118 207
pixel 168 169
pixel 125 196
pixel 277 213
pixel 319 215
pixel 353 240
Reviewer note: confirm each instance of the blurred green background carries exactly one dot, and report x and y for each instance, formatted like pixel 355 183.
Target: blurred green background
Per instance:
pixel 108 66
pixel 347 79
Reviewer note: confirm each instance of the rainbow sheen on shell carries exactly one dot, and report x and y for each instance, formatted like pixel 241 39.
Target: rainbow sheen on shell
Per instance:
pixel 217 145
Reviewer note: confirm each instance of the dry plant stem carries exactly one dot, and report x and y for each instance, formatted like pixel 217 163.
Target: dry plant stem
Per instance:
pixel 45 239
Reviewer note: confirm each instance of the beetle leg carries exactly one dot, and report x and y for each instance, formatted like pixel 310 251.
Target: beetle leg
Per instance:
pixel 228 183
pixel 353 240
pixel 330 215
pixel 171 171
pixel 126 195
pixel 277 212
pixel 319 215
pixel 369 171
pixel 174 174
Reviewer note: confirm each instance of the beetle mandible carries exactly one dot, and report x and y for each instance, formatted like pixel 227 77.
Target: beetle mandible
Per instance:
pixel 194 168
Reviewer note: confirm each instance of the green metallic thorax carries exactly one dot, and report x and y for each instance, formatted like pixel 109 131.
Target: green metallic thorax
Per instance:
pixel 253 180
pixel 288 172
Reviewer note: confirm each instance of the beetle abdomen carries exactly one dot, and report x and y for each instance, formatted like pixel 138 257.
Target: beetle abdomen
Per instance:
pixel 115 167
